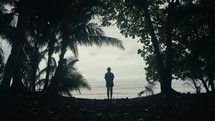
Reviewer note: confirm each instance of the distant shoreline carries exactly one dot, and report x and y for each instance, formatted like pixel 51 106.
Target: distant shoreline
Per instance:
pixel 125 89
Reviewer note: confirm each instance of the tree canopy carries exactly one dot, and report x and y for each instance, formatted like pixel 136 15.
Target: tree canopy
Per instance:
pixel 177 37
pixel 37 28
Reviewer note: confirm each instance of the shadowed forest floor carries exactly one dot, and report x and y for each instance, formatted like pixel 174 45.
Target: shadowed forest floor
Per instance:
pixel 153 108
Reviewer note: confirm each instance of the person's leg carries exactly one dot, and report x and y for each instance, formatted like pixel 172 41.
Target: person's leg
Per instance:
pixel 111 92
pixel 108 92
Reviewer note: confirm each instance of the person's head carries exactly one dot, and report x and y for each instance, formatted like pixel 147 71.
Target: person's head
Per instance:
pixel 108 69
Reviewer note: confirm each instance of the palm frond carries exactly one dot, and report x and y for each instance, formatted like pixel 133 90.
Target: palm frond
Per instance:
pixel 103 40
pixel 43 71
pixel 70 64
pixel 91 34
pixel 94 29
pixel 74 48
pixel 73 83
pixel 71 79
pixel 149 89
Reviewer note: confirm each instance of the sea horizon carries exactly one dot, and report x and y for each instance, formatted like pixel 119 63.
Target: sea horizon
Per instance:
pixel 125 89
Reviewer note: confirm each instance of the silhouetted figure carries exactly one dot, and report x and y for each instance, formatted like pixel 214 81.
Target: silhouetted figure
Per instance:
pixel 109 76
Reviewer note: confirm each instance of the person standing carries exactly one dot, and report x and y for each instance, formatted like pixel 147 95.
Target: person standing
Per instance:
pixel 109 77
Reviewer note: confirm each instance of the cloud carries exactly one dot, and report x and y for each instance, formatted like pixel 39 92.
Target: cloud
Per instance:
pixel 127 65
pixel 93 54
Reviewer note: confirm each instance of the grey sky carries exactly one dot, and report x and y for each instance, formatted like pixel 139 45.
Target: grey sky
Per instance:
pixel 127 65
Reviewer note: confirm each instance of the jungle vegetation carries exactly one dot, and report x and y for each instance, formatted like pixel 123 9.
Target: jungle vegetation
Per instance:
pixel 177 38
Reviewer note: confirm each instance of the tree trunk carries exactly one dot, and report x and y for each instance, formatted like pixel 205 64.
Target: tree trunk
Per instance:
pixel 211 82
pixel 159 60
pixel 47 72
pixel 17 86
pixel 164 71
pixel 11 63
pixel 53 88
pixel 196 86
pixel 35 64
pixel 205 85
pixel 169 50
pixel 50 53
pixel 8 71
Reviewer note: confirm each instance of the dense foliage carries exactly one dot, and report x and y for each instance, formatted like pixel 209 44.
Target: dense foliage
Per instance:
pixel 177 38
pixel 36 30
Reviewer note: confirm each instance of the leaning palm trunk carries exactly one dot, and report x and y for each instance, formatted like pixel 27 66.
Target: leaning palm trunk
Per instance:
pixel 50 53
pixel 35 65
pixel 17 85
pixel 9 70
pixel 47 71
pixel 13 60
pixel 53 87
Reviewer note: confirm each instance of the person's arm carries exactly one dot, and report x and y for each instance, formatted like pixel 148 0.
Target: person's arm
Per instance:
pixel 105 76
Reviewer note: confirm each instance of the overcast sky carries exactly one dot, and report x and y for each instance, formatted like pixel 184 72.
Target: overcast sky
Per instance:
pixel 127 65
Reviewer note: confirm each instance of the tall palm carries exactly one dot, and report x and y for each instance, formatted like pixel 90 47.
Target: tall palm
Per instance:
pixel 30 68
pixel 62 17
pixel 72 29
pixel 40 76
pixel 23 10
pixel 7 33
pixel 41 35
pixel 53 46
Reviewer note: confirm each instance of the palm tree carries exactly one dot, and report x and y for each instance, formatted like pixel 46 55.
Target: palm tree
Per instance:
pixel 53 46
pixel 22 9
pixel 67 30
pixel 7 33
pixel 72 80
pixel 77 31
pixel 42 81
pixel 40 34
pixel 149 89
pixel 85 34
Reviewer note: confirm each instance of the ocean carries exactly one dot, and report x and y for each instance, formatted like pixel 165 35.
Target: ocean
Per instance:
pixel 125 89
